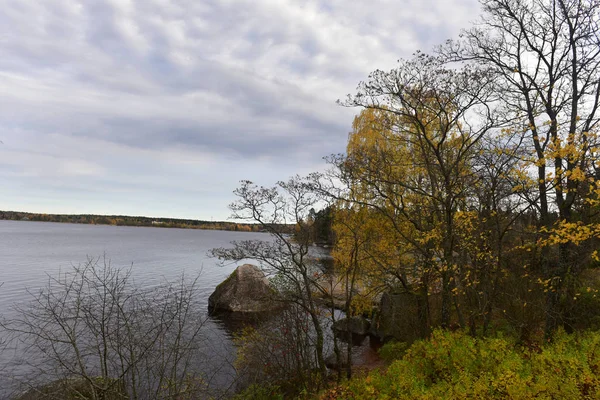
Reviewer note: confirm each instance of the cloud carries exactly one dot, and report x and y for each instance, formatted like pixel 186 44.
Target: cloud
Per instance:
pixel 251 81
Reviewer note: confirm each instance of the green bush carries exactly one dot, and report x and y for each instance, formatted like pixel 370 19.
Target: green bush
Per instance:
pixel 453 365
pixel 392 351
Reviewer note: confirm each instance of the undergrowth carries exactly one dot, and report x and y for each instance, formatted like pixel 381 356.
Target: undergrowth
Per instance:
pixel 454 365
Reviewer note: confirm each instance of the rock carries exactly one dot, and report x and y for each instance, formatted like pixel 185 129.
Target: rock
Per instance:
pixel 356 325
pixel 246 290
pixel 397 317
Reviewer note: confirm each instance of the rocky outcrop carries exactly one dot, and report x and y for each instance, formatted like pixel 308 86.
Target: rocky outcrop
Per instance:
pixel 246 290
pixel 397 317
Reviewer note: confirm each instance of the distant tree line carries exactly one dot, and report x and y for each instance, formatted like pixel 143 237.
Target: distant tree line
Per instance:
pixel 124 220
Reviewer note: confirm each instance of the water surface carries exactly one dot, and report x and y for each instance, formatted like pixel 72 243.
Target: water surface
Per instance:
pixel 30 252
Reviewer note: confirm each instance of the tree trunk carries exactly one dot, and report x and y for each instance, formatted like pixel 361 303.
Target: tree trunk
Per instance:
pixel 423 310
pixel 446 300
pixel 319 343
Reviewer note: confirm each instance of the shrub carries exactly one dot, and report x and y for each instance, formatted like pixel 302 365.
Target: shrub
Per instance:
pixel 93 332
pixel 453 365
pixel 281 352
pixel 392 351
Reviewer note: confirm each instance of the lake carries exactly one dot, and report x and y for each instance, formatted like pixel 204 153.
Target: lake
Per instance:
pixel 31 251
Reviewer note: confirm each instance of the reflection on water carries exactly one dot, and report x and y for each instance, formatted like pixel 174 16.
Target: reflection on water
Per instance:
pixel 233 323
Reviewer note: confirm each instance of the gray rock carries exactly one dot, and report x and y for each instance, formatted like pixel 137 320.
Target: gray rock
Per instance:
pixel 356 325
pixel 246 290
pixel 397 317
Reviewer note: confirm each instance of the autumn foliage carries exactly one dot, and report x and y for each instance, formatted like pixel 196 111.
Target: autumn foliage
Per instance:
pixel 472 175
pixel 470 185
pixel 453 365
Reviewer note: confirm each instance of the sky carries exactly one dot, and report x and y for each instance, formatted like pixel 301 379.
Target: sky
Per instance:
pixel 160 107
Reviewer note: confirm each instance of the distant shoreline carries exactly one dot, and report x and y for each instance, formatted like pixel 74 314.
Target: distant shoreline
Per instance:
pixel 126 220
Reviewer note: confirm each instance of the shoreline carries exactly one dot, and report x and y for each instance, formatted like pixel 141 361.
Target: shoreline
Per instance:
pixel 125 220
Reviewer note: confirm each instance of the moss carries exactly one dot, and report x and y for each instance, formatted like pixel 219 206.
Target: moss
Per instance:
pixel 226 281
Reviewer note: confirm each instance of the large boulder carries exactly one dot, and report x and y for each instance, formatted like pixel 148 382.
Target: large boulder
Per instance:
pixel 246 290
pixel 398 317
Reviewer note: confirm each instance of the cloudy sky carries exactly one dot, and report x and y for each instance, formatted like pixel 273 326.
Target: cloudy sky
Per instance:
pixel 161 107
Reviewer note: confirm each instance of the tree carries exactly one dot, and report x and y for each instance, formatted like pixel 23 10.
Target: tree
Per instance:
pixel 321 222
pixel 286 256
pixel 366 262
pixel 410 158
pixel 545 59
pixel 486 241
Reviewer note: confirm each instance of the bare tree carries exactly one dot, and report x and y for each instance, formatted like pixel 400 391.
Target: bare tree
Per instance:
pixel 279 352
pixel 91 332
pixel 283 211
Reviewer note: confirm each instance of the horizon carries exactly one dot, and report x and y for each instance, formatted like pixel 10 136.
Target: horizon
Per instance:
pixel 162 108
pixel 232 221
